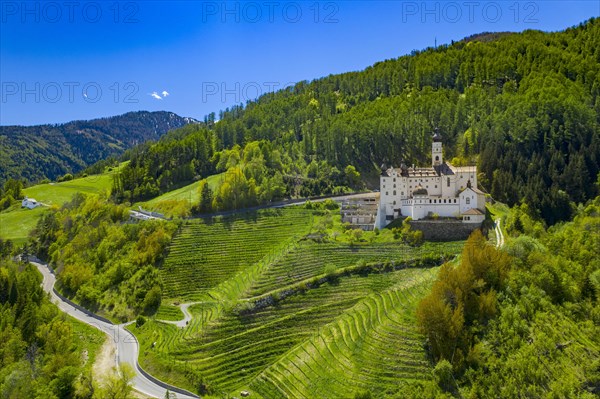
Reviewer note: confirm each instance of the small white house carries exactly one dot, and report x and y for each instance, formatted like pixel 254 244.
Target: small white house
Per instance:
pixel 473 215
pixel 30 203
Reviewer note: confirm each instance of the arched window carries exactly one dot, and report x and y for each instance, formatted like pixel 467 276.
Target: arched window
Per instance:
pixel 394 192
pixel 437 158
pixel 468 200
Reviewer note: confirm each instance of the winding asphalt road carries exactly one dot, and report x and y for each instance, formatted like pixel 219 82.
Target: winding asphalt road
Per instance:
pixel 127 345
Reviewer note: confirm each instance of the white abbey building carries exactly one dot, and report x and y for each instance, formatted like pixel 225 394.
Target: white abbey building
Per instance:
pixel 441 189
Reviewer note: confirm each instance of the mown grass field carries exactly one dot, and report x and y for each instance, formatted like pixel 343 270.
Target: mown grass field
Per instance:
pixel 16 223
pixel 266 319
pixel 59 193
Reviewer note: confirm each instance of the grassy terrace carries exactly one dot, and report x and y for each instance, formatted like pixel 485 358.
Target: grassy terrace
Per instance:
pixel 350 334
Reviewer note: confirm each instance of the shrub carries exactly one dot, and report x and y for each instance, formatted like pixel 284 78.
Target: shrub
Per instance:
pixel 330 204
pixel 152 300
pixel 66 177
pixel 140 321
pixel 6 202
pixel 443 375
pixel 363 395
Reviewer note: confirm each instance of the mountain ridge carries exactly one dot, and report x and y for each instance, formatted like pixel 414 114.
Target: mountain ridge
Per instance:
pixel 47 151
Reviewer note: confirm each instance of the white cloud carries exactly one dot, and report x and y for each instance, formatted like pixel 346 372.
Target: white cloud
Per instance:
pixel 165 93
pixel 155 95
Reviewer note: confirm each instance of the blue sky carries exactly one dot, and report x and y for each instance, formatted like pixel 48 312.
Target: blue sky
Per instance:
pixel 67 60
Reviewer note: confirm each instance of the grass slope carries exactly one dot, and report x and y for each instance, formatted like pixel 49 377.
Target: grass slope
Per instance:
pixel 59 193
pixel 16 223
pixel 185 193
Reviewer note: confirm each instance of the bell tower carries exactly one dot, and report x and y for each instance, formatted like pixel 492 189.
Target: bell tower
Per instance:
pixel 436 149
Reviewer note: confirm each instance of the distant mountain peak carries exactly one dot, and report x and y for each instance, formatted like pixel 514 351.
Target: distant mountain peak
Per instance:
pixel 36 152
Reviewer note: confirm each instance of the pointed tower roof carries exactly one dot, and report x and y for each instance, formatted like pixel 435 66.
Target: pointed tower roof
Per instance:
pixel 437 137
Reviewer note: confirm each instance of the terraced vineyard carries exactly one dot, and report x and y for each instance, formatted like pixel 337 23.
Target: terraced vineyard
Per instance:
pixel 209 251
pixel 344 335
pixel 309 259
pixel 371 347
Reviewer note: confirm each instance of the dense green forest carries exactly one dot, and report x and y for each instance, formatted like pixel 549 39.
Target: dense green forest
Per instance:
pixel 34 153
pixel 45 354
pixel 102 262
pixel 522 321
pixel 524 107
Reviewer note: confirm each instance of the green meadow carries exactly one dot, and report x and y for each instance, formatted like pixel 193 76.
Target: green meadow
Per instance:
pixel 16 223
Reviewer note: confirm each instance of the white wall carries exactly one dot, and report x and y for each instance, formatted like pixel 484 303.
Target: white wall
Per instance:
pixel 473 218
pixel 468 193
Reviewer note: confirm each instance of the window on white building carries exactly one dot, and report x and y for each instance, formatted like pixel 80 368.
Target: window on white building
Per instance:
pixel 468 200
pixel 394 192
pixel 387 193
pixel 448 182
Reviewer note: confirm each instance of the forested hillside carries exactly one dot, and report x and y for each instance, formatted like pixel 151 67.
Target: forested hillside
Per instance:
pixel 524 107
pixel 32 153
pixel 44 354
pixel 101 262
pixel 520 322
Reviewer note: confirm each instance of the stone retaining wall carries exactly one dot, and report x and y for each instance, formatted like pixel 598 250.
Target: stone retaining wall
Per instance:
pixel 444 230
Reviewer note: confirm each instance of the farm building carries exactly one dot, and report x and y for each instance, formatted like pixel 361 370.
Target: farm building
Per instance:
pixel 360 213
pixel 30 203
